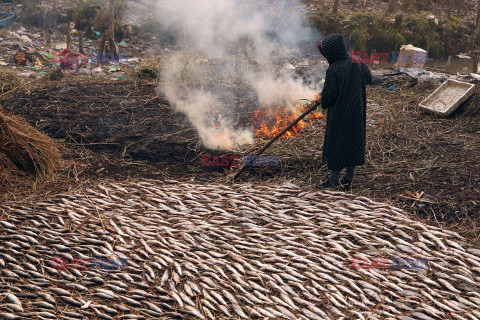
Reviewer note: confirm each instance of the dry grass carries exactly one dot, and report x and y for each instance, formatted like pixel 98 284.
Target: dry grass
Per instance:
pixel 24 150
pixel 149 68
pixel 9 81
pixel 123 129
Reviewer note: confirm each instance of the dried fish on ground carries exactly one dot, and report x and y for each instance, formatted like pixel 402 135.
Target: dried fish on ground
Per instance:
pixel 143 249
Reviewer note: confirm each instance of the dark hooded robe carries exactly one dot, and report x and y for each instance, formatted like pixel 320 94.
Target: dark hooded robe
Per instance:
pixel 344 97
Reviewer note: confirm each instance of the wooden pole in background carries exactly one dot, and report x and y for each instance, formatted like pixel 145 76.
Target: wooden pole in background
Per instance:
pixel 449 62
pixel 111 29
pixel 476 56
pixel 477 20
pixel 101 49
pixel 80 42
pixel 69 38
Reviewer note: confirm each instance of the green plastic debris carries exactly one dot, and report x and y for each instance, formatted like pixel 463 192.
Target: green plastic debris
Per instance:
pixel 97 33
pixel 121 78
pixel 123 42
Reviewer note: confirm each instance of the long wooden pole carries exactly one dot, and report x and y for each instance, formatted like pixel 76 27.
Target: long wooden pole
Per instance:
pixel 476 56
pixel 259 152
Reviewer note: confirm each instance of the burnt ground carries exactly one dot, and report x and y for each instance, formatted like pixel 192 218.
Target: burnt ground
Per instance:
pixel 122 129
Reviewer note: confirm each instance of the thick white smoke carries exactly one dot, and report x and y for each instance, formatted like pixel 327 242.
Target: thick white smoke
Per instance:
pixel 227 44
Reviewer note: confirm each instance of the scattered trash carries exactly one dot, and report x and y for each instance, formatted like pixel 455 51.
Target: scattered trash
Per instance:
pixel 97 70
pixel 303 64
pixel 430 76
pixel 60 46
pixel 20 58
pixel 85 71
pixel 200 61
pixel 412 72
pixel 290 66
pixel 421 75
pixel 24 74
pixel 27 52
pixel 475 76
pixel 411 57
pixel 69 58
pixel 26 40
pixel 448 97
pixel 72 28
pixel 393 88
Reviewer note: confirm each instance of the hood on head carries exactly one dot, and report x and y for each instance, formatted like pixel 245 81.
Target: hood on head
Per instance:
pixel 334 48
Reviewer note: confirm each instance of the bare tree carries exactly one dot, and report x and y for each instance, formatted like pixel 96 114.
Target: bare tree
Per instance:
pixel 109 35
pixel 111 18
pixel 335 7
pixel 111 29
pixel 50 16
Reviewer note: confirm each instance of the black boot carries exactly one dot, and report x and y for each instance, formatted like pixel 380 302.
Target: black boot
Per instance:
pixel 327 184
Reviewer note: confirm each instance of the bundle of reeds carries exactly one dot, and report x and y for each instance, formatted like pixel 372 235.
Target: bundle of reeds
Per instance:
pixel 23 149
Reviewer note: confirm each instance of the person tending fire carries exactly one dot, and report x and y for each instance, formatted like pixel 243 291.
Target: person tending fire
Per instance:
pixel 344 97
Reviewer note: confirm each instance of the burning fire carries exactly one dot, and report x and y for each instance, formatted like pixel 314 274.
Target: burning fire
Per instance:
pixel 268 122
pixel 221 134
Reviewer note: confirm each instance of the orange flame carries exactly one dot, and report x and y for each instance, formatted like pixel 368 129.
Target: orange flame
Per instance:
pixel 268 122
pixel 222 133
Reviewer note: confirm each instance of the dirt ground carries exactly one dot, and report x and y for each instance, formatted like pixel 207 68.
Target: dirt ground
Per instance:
pixel 121 129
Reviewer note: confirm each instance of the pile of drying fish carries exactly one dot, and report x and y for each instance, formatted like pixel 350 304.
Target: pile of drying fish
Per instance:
pixel 218 252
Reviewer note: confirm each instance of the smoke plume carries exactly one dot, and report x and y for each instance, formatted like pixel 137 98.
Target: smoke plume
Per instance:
pixel 232 59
